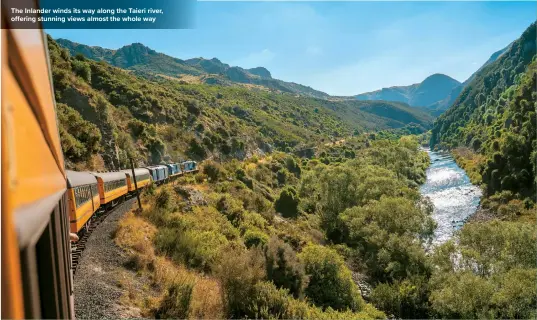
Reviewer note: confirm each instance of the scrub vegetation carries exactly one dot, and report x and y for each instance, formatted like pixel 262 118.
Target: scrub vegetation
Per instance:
pixel 284 237
pixel 489 269
pixel 307 207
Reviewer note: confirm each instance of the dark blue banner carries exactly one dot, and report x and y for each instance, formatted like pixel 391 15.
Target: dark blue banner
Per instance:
pixel 99 14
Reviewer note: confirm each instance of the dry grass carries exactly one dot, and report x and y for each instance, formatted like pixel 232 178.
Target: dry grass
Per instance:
pixel 135 235
pixel 207 300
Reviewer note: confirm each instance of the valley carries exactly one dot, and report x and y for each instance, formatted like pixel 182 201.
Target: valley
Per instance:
pixel 306 205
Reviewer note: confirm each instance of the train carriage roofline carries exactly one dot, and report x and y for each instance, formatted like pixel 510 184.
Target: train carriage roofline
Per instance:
pixel 110 176
pixel 137 171
pixel 76 178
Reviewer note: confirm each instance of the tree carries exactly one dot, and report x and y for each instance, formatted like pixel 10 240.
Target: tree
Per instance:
pixel 287 203
pixel 331 283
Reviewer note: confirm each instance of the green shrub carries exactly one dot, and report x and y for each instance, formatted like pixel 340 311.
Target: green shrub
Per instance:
pixel 176 302
pixel 330 281
pixel 239 272
pixel 82 69
pixel 231 208
pixel 287 203
pixel 197 249
pixel 165 199
pixel 214 171
pixel 407 299
pixel 255 238
pixel 284 268
pixel 241 175
pixel 282 176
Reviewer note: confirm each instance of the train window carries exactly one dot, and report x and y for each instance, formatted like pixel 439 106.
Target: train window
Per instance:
pixel 112 185
pixel 94 191
pixel 82 195
pixel 142 177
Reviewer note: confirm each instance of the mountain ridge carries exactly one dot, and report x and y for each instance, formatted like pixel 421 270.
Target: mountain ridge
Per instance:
pixel 445 98
pixel 109 113
pixel 424 94
pixel 138 57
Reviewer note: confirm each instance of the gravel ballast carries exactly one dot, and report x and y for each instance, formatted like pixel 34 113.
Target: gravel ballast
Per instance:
pixel 96 291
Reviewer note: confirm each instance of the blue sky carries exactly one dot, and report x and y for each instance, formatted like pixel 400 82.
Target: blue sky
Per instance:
pixel 342 48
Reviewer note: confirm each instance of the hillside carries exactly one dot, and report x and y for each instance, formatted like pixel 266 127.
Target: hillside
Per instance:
pixel 425 94
pixel 138 57
pixel 495 117
pixel 442 105
pixel 108 114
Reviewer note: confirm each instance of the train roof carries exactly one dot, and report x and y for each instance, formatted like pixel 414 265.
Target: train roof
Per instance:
pixel 77 178
pixel 137 171
pixel 161 166
pixel 110 176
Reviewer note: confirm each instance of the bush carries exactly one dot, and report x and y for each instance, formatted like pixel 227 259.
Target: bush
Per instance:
pixel 165 199
pixel 239 272
pixel 82 69
pixel 193 107
pixel 407 299
pixel 214 171
pixel 287 203
pixel 255 238
pixel 231 208
pixel 282 176
pixel 284 268
pixel 196 149
pixel 330 281
pixel 241 175
pixel 176 302
pixel 197 249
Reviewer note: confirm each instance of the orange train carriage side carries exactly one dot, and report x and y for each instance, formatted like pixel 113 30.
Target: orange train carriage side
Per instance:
pixel 83 198
pixel 143 178
pixel 36 258
pixel 112 186
pixel 41 201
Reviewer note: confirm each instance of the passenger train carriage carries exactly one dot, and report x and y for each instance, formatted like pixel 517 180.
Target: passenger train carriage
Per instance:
pixel 36 256
pixel 143 178
pixel 83 198
pixel 112 185
pixel 43 203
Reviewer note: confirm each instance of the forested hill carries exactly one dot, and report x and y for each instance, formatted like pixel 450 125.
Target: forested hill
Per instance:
pixel 108 114
pixel 144 60
pixel 495 116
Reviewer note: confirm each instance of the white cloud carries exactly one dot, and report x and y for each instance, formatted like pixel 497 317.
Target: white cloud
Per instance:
pixel 256 59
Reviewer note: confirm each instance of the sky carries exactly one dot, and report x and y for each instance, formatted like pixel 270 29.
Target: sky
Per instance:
pixel 341 48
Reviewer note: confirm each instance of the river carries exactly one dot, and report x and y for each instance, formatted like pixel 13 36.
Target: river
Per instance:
pixel 454 197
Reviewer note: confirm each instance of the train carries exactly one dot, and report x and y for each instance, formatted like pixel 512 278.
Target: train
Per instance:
pixel 89 192
pixel 42 202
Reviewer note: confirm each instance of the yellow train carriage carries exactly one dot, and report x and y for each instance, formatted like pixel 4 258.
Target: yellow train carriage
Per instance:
pixel 36 267
pixel 83 198
pixel 111 185
pixel 143 178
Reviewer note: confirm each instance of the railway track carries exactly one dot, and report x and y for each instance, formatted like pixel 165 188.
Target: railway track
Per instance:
pixel 78 248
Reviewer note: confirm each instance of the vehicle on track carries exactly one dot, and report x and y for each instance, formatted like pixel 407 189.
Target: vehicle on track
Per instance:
pixel 83 198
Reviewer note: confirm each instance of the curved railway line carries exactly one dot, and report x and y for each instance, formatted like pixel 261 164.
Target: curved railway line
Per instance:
pixel 78 248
